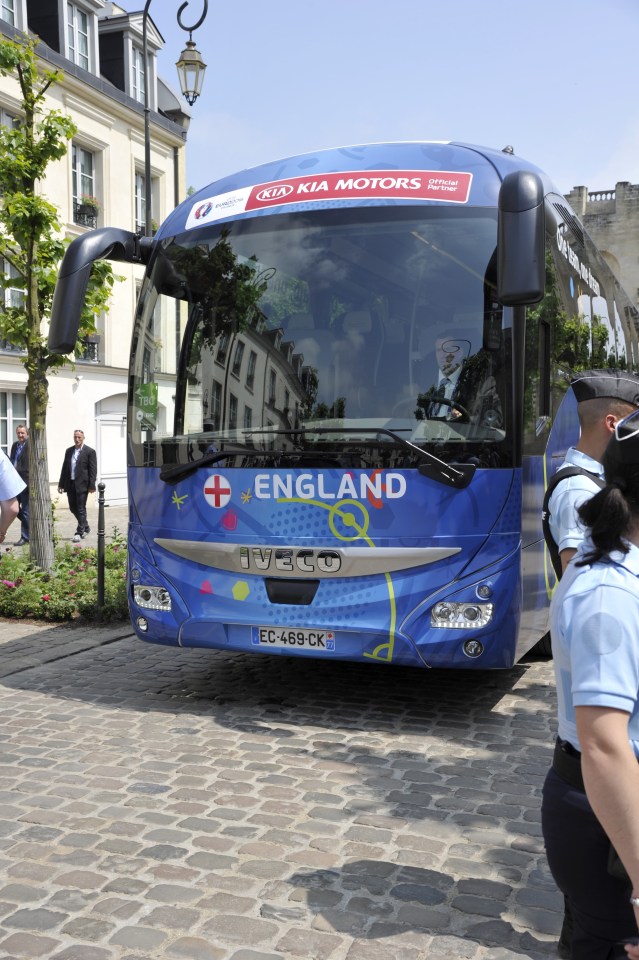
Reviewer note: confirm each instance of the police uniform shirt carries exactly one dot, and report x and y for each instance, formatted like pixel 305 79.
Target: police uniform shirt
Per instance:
pixel 565 526
pixel 11 483
pixel 594 622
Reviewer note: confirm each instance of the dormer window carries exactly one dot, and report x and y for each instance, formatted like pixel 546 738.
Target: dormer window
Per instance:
pixel 8 11
pixel 138 75
pixel 78 36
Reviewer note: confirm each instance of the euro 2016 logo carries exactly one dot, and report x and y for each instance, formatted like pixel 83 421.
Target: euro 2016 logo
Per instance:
pixel 203 210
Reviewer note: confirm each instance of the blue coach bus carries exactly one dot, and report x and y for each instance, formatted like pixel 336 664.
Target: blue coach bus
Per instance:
pixel 304 476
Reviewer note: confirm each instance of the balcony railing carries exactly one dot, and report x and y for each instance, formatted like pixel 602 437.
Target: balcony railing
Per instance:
pixel 6 347
pixel 85 216
pixel 91 350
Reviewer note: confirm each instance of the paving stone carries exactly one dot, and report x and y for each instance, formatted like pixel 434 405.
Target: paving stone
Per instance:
pixel 83 952
pixel 194 948
pixel 302 943
pixel 255 955
pixel 139 938
pixel 85 928
pixel 38 918
pixel 28 946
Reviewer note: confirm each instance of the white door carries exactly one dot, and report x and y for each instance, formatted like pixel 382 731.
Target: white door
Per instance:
pixel 111 434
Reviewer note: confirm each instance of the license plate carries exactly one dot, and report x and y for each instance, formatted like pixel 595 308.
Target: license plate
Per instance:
pixel 293 638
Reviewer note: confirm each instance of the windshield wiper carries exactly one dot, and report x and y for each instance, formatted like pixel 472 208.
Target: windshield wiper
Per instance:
pixel 457 476
pixel 174 472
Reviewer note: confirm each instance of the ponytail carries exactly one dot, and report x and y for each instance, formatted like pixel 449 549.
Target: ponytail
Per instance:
pixel 609 516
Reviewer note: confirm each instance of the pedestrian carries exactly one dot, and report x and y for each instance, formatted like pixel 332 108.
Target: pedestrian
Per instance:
pixel 19 457
pixel 603 398
pixel 589 807
pixel 77 480
pixel 11 484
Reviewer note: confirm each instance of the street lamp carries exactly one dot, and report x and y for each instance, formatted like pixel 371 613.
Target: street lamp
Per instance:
pixel 190 69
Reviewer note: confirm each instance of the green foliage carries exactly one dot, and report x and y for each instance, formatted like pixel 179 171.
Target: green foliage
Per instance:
pixel 69 591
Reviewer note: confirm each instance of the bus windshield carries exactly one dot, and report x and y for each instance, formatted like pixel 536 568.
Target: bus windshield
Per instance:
pixel 352 338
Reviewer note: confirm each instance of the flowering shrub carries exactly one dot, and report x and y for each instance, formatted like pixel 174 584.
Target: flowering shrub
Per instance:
pixel 71 590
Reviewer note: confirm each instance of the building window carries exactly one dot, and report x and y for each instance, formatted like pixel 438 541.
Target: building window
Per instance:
pixel 272 381
pixel 250 373
pixel 237 358
pixel 138 75
pixel 232 412
pixel 13 412
pixel 223 348
pixel 216 404
pixel 140 203
pixel 78 36
pixel 248 418
pixel 8 120
pixel 11 297
pixel 83 176
pixel 8 12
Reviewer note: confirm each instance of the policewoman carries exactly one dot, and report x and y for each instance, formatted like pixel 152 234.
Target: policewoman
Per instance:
pixel 590 808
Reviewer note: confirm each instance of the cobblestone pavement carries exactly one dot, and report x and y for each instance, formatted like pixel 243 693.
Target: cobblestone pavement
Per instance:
pixel 194 805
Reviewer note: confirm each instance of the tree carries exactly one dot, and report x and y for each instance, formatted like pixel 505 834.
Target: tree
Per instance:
pixel 32 244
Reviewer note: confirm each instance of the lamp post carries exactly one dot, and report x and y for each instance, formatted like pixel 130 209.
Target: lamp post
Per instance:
pixel 190 69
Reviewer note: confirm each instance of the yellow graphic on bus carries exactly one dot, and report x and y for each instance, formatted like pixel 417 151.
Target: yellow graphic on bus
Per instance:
pixel 360 532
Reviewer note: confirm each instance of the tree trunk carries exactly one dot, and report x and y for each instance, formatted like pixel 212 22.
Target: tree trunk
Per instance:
pixel 41 512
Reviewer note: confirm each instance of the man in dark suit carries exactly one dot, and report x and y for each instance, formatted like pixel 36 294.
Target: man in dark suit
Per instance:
pixel 466 389
pixel 19 457
pixel 77 480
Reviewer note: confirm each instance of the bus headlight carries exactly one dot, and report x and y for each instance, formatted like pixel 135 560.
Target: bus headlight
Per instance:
pixel 151 598
pixel 461 616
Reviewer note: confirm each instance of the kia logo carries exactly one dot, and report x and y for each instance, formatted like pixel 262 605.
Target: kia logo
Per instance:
pixel 277 192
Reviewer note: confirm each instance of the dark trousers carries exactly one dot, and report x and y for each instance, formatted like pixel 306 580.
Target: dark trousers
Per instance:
pixel 577 849
pixel 78 507
pixel 23 513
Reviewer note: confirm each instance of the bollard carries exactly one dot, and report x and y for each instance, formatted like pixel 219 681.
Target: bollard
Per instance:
pixel 101 487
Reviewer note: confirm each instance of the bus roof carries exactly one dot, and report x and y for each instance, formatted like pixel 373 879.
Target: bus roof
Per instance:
pixel 430 172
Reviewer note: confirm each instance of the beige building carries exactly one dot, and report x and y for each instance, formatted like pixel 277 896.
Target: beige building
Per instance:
pixel 611 217
pixel 98 46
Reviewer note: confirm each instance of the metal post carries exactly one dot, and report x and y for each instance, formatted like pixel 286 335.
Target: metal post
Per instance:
pixel 148 217
pixel 147 120
pixel 101 487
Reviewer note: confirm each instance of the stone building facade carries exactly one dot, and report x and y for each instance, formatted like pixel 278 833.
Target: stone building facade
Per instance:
pixel 611 217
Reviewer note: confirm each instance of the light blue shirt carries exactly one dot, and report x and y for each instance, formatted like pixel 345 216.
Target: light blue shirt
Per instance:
pixel 565 527
pixel 11 483
pixel 594 621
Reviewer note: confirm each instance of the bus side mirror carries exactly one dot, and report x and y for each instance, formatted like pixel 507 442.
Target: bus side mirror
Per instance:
pixel 521 246
pixel 74 273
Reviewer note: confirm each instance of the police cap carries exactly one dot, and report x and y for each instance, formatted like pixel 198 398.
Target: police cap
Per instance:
pixel 616 384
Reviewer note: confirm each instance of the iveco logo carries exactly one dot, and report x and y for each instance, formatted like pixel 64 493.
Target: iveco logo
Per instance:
pixel 275 193
pixel 285 560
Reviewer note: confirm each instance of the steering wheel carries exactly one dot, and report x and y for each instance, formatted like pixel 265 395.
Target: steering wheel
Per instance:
pixel 454 405
pixel 407 403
